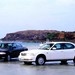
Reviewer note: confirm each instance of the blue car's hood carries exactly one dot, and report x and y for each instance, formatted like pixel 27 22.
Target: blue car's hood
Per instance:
pixel 3 49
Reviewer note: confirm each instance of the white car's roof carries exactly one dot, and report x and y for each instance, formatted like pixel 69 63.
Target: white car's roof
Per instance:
pixel 59 42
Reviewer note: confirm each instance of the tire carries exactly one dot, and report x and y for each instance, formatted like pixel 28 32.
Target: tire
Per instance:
pixel 40 60
pixel 74 60
pixel 64 62
pixel 7 58
pixel 28 63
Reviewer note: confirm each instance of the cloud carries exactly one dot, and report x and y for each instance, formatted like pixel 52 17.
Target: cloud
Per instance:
pixel 65 2
pixel 36 14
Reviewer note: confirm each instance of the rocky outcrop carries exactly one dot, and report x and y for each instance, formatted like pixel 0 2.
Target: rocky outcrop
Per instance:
pixel 29 35
pixel 37 35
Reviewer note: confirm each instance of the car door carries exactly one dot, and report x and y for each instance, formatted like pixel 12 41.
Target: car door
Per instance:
pixel 14 50
pixel 68 51
pixel 56 53
pixel 17 48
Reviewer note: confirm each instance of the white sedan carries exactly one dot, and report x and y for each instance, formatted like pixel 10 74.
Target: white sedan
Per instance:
pixel 51 51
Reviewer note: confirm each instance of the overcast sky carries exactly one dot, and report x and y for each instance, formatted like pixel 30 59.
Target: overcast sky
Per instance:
pixel 18 15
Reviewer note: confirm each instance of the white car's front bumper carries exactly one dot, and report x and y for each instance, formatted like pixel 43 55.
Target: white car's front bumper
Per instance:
pixel 26 58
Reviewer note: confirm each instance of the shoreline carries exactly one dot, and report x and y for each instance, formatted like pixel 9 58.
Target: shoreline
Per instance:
pixel 38 41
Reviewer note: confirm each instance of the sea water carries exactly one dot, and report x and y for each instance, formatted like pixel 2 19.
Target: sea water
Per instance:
pixel 31 45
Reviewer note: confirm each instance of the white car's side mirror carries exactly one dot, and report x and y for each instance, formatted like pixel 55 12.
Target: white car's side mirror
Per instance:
pixel 53 48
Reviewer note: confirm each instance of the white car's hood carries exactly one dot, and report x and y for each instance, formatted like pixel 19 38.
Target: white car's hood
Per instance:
pixel 35 51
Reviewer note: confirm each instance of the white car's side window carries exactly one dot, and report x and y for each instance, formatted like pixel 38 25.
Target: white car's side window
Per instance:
pixel 69 46
pixel 64 46
pixel 57 46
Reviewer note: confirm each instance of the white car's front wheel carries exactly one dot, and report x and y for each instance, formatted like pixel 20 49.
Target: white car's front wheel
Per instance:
pixel 40 60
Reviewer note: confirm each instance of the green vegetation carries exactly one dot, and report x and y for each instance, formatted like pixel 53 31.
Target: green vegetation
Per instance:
pixel 52 36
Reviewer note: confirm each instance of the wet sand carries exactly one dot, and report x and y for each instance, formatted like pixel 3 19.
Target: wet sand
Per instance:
pixel 50 68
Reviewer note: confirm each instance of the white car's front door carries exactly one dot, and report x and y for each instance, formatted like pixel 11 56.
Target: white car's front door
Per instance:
pixel 55 55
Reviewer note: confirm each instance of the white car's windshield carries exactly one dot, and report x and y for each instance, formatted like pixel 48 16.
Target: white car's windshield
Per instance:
pixel 46 46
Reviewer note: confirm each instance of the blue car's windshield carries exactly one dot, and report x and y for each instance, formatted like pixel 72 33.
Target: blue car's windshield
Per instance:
pixel 5 45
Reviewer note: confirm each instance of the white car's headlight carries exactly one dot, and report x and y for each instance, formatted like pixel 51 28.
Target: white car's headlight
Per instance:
pixel 23 54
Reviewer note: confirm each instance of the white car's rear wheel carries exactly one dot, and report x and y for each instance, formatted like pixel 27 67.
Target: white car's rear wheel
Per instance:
pixel 74 60
pixel 64 62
